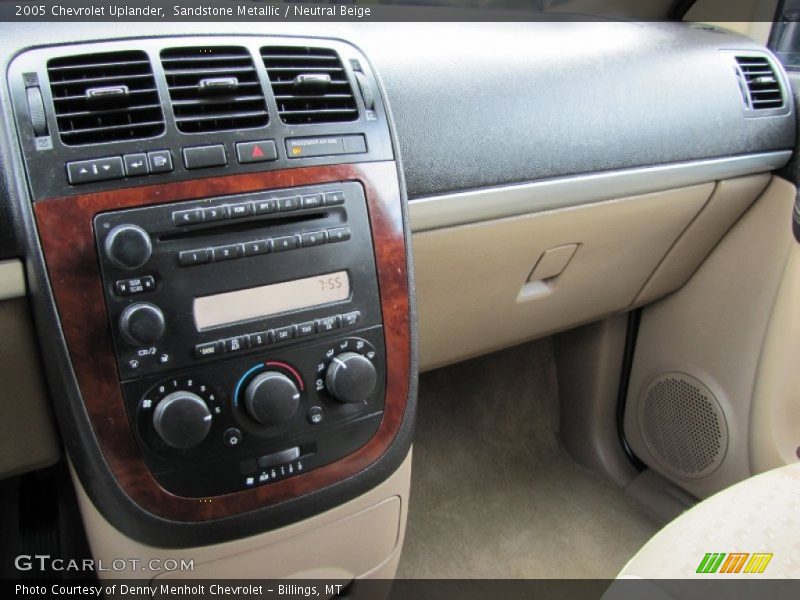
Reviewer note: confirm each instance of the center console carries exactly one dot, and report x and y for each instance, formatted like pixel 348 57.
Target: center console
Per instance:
pixel 224 239
pixel 247 332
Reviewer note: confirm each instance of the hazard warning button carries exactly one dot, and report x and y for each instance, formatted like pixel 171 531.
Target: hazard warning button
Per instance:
pixel 260 151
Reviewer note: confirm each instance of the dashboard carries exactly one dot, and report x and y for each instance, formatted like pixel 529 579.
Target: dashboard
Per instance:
pixel 218 230
pixel 230 276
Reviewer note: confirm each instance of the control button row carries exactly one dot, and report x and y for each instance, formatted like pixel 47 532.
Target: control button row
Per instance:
pixel 117 167
pixel 214 155
pixel 160 161
pixel 135 285
pixel 274 336
pixel 239 210
pixel 266 475
pixel 202 256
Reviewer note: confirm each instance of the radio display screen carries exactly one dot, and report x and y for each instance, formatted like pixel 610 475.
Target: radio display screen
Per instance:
pixel 267 300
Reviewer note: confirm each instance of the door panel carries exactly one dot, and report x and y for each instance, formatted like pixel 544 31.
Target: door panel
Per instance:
pixel 699 356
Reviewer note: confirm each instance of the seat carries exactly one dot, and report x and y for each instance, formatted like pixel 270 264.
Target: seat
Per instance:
pixel 730 534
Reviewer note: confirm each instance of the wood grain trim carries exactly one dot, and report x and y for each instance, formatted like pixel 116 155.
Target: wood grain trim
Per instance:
pixel 65 229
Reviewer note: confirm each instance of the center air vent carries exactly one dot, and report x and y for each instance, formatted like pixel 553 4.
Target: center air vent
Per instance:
pixel 310 85
pixel 105 97
pixel 761 82
pixel 214 88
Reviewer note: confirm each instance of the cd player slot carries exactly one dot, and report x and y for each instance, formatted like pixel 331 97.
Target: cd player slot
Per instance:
pixel 243 226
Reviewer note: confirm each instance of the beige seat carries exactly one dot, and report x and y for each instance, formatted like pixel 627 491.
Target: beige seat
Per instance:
pixel 758 515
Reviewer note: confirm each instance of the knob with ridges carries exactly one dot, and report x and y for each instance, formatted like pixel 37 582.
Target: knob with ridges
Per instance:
pixel 271 398
pixel 182 420
pixel 142 324
pixel 351 377
pixel 128 246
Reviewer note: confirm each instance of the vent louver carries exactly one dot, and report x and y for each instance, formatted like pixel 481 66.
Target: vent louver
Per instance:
pixel 105 97
pixel 762 82
pixel 310 85
pixel 214 88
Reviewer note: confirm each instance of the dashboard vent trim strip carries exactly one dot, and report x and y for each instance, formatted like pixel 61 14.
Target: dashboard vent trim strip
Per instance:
pixel 461 208
pixel 105 97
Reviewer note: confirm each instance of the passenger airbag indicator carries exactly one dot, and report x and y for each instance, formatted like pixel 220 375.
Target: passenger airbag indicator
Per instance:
pixel 328 145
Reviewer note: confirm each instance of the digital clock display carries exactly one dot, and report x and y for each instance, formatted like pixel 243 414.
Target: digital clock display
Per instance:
pixel 267 300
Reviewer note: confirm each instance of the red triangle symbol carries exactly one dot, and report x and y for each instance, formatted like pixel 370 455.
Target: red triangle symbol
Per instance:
pixel 257 152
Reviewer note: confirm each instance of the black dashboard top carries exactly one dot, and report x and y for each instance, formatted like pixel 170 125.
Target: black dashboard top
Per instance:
pixel 479 105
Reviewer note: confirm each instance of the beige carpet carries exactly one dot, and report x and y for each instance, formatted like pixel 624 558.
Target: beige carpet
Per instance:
pixel 493 493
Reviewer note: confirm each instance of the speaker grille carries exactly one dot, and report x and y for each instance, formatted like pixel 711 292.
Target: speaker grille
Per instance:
pixel 683 425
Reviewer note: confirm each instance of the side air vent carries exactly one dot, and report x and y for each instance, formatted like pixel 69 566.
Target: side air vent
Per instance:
pixel 105 97
pixel 310 85
pixel 214 88
pixel 761 82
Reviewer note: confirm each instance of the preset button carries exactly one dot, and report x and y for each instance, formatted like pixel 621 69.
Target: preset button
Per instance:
pixel 288 242
pixel 194 257
pixel 226 252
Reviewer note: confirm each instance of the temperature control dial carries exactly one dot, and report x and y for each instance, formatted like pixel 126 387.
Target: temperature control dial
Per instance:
pixel 271 398
pixel 177 414
pixel 182 419
pixel 351 377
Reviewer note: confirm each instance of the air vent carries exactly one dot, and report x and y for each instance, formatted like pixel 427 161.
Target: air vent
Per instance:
pixel 105 97
pixel 214 88
pixel 761 79
pixel 310 85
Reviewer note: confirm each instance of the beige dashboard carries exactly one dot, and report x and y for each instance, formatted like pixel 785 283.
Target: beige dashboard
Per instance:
pixel 500 265
pixel 481 286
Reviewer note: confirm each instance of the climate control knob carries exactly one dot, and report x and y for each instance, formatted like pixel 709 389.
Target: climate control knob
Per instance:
pixel 182 419
pixel 351 377
pixel 142 324
pixel 128 246
pixel 271 398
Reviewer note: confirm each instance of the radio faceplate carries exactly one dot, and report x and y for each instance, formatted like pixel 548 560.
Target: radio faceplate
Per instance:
pixel 247 332
pixel 203 248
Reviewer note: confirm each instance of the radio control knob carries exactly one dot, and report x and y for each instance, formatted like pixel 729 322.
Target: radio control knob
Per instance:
pixel 142 324
pixel 351 377
pixel 128 246
pixel 271 398
pixel 182 420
